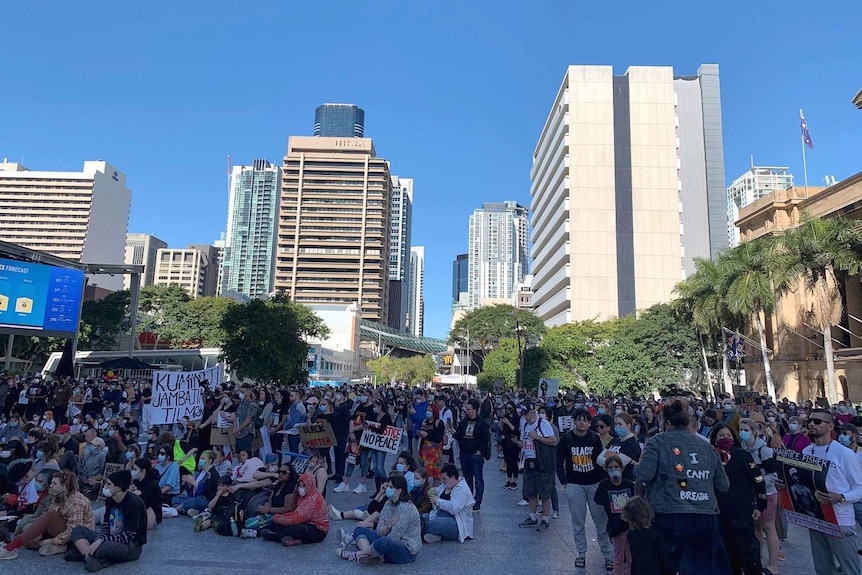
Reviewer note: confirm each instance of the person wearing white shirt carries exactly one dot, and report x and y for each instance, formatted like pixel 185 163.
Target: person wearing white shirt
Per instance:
pixel 843 488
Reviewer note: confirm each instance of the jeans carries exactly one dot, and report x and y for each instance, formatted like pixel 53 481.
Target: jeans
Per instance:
pixel 109 551
pixel 363 457
pixel 444 525
pixel 743 546
pixel 392 550
pixel 471 466
pixel 622 554
pixel 187 502
pixel 293 443
pixel 825 550
pixel 694 543
pixel 339 457
pixel 580 498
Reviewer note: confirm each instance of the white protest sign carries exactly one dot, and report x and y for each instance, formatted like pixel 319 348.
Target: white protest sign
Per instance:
pixel 387 441
pixel 566 422
pixel 178 394
pixel 549 387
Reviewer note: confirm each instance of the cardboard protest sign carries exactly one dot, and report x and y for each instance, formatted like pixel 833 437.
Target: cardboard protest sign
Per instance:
pixel 751 401
pixel 387 440
pixel 565 422
pixel 803 475
pixel 549 387
pixel 317 435
pixel 178 394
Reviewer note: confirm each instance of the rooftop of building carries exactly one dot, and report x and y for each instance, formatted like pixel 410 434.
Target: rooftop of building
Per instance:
pixel 330 145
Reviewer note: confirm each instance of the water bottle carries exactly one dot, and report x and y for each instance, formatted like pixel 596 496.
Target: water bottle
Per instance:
pixel 233 528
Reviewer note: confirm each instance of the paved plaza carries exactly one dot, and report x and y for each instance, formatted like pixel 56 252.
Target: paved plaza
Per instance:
pixel 499 547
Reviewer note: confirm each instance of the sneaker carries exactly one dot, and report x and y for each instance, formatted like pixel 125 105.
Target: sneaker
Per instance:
pixel 369 561
pixel 345 539
pixel 93 564
pixel 528 522
pixel 609 565
pixel 476 509
pixel 348 555
pixel 431 538
pixel 370 474
pixel 556 515
pixel 781 555
pixel 514 486
pixel 51 549
pixel 248 534
pixel 523 503
pixel 360 514
pixel 6 555
pixel 193 512
pixel 334 514
pixel 199 522
pixel 539 509
pixel 581 562
pixel 508 485
pixel 360 489
pixel 342 487
pixel 543 526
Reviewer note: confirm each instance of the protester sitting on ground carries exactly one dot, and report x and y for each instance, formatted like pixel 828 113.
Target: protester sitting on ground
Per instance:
pixel 169 475
pixel 451 518
pixel 203 487
pixel 406 465
pixel 124 531
pixel 218 508
pixel 46 456
pixel 69 509
pixel 317 467
pixel 307 523
pixel 421 492
pixel 282 498
pixel 398 537
pixel 22 479
pixel 145 481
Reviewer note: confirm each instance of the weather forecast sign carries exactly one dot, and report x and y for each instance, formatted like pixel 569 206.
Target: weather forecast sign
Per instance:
pixel 36 297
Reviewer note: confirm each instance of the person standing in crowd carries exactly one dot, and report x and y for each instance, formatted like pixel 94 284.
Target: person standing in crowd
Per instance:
pixel 509 437
pixel 578 451
pixel 612 494
pixel 431 434
pixel 417 416
pixel 538 444
pixel 683 473
pixel 764 456
pixel 474 441
pixel 795 438
pixel 124 530
pixel 647 548
pixel 297 415
pixel 707 421
pixel 624 444
pixel 364 410
pixel 742 504
pixel 843 489
pixel 243 419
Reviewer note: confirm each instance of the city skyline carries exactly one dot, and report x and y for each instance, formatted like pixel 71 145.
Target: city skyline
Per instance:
pixel 475 105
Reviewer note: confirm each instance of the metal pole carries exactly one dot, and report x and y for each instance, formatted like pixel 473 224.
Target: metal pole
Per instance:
pixel 135 289
pixel 804 165
pixel 10 340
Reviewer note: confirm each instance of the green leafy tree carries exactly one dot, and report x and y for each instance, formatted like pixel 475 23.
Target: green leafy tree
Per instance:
pixel 503 363
pixel 670 344
pixel 486 326
pixel 384 368
pixel 620 368
pixel 418 369
pixel 103 320
pixel 265 340
pixel 160 311
pixel 200 321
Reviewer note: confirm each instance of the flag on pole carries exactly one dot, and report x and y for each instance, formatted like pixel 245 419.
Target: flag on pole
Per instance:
pixel 805 136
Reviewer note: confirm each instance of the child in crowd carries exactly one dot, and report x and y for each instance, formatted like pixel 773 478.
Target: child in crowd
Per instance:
pixel 612 494
pixel 648 553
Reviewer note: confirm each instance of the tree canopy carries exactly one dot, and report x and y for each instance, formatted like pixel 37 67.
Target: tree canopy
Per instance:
pixel 486 326
pixel 414 370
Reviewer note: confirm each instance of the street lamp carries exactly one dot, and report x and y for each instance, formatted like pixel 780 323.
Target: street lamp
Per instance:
pixel 520 352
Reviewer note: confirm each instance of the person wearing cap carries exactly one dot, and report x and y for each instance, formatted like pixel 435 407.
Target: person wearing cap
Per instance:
pixel 68 448
pixel 124 529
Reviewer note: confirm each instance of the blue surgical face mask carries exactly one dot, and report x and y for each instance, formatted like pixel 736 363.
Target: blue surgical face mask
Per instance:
pixel 390 492
pixel 38 486
pixel 376 410
pixel 162 458
pixel 429 414
pixel 40 454
pixel 399 467
pixel 620 430
pixel 130 455
pixel 745 436
pixel 601 411
pixel 845 440
pixel 794 427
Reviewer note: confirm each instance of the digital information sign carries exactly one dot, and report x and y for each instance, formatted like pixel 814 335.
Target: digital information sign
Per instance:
pixel 39 298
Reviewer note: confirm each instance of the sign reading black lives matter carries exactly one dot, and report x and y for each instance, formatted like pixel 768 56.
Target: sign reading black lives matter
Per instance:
pixel 803 475
pixel 178 394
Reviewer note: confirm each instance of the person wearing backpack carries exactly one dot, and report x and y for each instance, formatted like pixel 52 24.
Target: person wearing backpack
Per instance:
pixel 539 445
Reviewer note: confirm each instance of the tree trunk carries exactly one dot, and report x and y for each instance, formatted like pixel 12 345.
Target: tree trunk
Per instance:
pixel 727 383
pixel 710 388
pixel 770 387
pixel 831 387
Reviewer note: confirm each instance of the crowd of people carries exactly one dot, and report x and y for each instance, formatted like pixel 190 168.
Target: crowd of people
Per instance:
pixel 672 485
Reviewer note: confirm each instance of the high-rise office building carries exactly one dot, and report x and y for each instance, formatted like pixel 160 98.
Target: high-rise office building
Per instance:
pixel 416 315
pixel 627 189
pixel 247 263
pixel 141 249
pixel 81 216
pixel 339 121
pixel 334 224
pixel 499 252
pixel 460 272
pixel 754 184
pixel 399 250
pixel 194 268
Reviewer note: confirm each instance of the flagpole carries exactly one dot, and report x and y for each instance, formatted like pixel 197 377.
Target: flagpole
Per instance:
pixel 804 166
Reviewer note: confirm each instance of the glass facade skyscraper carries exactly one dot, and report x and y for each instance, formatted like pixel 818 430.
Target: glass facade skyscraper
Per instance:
pixel 339 121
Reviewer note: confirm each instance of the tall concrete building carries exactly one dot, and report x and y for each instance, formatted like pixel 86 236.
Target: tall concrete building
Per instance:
pixel 334 224
pixel 142 249
pixel 499 252
pixel 399 251
pixel 460 273
pixel 756 183
pixel 81 216
pixel 247 262
pixel 194 268
pixel 627 189
pixel 339 121
pixel 416 315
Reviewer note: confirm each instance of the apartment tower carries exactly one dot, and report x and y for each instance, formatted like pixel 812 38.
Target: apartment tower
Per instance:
pixel 247 260
pixel 627 189
pixel 339 121
pixel 416 315
pixel 195 269
pixel 142 249
pixel 334 224
pixel 756 183
pixel 399 251
pixel 499 252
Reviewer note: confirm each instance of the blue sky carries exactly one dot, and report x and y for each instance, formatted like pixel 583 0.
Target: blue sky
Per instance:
pixel 455 93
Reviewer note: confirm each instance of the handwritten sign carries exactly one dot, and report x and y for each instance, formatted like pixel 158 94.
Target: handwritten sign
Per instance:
pixel 566 422
pixel 803 475
pixel 387 441
pixel 178 394
pixel 317 435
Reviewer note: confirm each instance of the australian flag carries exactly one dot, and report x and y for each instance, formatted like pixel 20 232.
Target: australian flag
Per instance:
pixel 805 136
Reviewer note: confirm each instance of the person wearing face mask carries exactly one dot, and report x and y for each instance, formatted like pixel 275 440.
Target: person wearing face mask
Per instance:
pixel 95 456
pixel 730 414
pixel 741 505
pixel 13 430
pixel 46 455
pixel 169 471
pixel 203 487
pixel 539 447
pixel 431 434
pixel 124 531
pixel 844 413
pixel 612 494
pixel 398 536
pixel 625 444
pixel 308 523
pixel 364 411
pixel 420 494
pixel 145 484
pixel 509 436
pixel 417 416
pixel 406 465
pixel 795 438
pixel 707 421
pixel 133 453
pixel 263 421
pixel 764 456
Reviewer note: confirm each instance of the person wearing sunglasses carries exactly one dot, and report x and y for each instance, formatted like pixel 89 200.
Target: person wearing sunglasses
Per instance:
pixel 603 425
pixel 169 472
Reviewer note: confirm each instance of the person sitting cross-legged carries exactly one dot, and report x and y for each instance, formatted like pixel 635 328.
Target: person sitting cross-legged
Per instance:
pixel 451 518
pixel 307 523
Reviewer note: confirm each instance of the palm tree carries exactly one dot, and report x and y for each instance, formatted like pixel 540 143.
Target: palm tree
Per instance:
pixel 819 255
pixel 753 282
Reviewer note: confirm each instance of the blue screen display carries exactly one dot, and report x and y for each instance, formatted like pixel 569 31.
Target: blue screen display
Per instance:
pixel 39 297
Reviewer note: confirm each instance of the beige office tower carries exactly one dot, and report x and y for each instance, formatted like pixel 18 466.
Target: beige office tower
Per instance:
pixel 627 189
pixel 333 224
pixel 194 268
